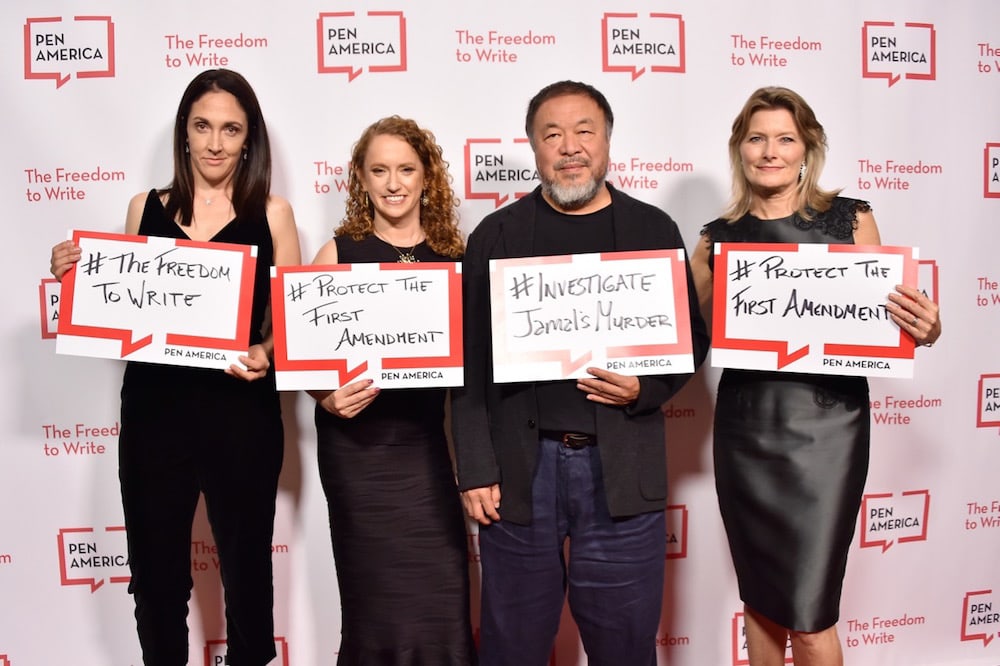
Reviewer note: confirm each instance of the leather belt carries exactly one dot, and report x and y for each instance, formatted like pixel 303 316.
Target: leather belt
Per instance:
pixel 570 440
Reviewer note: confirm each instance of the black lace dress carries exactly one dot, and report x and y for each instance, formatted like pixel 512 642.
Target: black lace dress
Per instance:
pixel 791 458
pixel 396 521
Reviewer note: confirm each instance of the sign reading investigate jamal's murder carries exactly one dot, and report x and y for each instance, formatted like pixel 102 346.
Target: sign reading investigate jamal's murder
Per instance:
pixel 810 308
pixel 397 324
pixel 553 317
pixel 158 300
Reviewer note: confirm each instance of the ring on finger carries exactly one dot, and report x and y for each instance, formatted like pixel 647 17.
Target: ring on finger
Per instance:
pixel 914 322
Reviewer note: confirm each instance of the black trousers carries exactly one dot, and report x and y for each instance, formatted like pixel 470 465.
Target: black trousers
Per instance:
pixel 165 461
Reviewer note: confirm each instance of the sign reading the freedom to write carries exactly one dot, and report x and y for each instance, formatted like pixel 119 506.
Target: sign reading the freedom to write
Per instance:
pixel 553 317
pixel 811 308
pixel 159 300
pixel 398 324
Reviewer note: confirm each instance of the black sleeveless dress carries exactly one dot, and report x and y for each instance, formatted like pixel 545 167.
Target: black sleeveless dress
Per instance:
pixel 191 431
pixel 396 521
pixel 791 458
pixel 147 382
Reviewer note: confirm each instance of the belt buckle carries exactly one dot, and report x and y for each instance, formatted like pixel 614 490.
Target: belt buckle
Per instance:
pixel 575 440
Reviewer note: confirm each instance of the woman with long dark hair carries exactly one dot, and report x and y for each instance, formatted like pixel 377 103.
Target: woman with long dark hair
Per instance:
pixel 191 431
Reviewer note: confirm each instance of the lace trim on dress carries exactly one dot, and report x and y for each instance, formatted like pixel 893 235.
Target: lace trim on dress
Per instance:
pixel 839 221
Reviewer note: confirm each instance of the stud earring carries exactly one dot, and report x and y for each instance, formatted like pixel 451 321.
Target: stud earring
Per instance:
pixel 187 149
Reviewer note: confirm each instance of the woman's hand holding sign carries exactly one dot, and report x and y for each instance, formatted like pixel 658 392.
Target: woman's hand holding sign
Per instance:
pixel 64 255
pixel 347 401
pixel 256 362
pixel 916 314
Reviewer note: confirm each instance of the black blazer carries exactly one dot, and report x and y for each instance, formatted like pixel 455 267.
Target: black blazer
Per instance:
pixel 495 426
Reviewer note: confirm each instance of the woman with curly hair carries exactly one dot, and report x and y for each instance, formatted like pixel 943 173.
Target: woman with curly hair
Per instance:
pixel 396 520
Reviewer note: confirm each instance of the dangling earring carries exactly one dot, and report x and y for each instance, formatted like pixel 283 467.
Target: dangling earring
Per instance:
pixel 802 172
pixel 245 151
pixel 424 200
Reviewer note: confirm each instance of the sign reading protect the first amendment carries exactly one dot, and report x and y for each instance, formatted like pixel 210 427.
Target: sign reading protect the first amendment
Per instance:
pixel 811 308
pixel 397 324
pixel 158 300
pixel 553 317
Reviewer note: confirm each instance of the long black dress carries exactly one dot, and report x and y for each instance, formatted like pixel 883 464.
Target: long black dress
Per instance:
pixel 396 521
pixel 791 458
pixel 186 431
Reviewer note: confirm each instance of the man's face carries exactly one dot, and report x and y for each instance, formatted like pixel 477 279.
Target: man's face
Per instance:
pixel 571 144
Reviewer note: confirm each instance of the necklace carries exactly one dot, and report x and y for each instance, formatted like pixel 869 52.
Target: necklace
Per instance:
pixel 405 257
pixel 208 200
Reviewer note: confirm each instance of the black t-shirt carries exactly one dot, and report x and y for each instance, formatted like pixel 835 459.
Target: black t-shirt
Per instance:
pixel 562 406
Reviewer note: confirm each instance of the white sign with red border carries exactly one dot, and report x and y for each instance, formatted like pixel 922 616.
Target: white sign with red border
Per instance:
pixel 812 308
pixel 553 317
pixel 397 324
pixel 158 300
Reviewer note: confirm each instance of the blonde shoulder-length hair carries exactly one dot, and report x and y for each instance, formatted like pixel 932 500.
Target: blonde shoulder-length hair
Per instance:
pixel 811 198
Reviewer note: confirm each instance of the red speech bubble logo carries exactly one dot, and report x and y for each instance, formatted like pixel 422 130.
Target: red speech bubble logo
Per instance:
pixel 988 407
pixel 85 555
pixel 57 50
pixel 739 641
pixel 634 44
pixel 347 43
pixel 980 620
pixel 991 171
pixel 927 279
pixel 677 531
pixel 885 522
pixel 48 307
pixel 496 173
pixel 215 652
pixel 892 52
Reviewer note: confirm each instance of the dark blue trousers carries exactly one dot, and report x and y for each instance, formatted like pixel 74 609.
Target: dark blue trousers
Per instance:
pixel 614 573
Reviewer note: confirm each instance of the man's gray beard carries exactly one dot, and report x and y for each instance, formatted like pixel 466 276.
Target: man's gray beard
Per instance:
pixel 573 197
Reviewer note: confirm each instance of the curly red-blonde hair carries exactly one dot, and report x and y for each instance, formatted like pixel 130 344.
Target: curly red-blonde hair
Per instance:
pixel 438 217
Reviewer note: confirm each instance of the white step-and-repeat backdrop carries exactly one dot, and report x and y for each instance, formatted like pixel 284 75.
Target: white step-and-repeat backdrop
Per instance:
pixel 909 94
